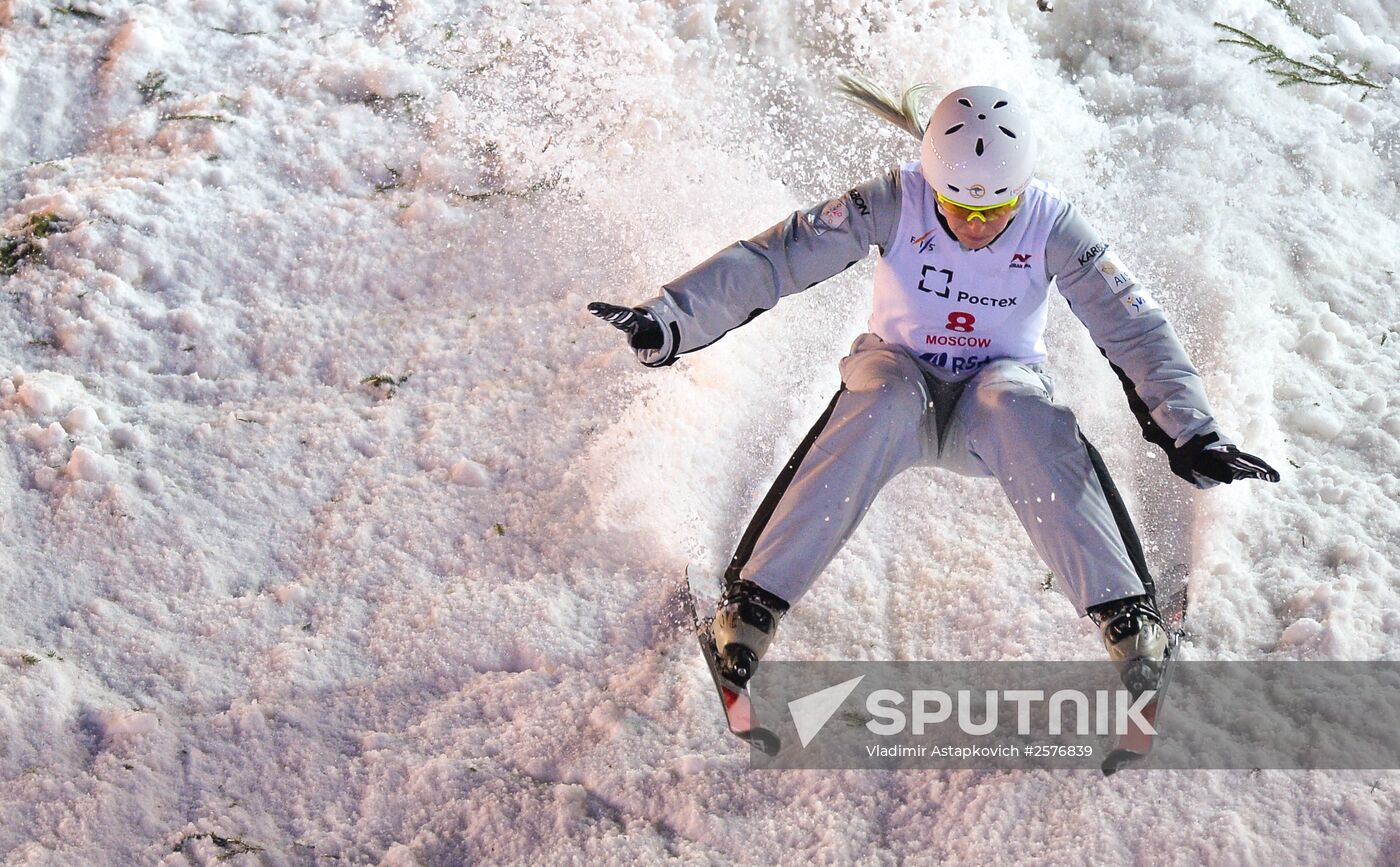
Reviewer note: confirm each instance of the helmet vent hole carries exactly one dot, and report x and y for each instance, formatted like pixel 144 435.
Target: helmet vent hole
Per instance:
pixel 981 117
pixel 954 128
pixel 1007 131
pixel 979 147
pixel 962 100
pixel 1000 191
pixel 1001 103
pixel 954 189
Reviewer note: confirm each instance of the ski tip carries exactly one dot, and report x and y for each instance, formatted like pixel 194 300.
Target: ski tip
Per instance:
pixel 1117 759
pixel 766 741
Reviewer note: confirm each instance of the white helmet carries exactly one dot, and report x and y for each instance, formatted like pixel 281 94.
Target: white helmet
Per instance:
pixel 978 149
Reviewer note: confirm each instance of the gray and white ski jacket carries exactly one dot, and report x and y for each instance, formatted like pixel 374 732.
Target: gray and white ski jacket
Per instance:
pixel 955 309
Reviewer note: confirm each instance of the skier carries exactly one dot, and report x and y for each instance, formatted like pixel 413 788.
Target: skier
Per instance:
pixel 949 373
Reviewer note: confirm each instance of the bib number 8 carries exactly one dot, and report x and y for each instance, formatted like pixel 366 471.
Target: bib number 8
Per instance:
pixel 960 321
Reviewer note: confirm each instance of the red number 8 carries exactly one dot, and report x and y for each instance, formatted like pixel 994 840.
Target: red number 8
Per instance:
pixel 959 321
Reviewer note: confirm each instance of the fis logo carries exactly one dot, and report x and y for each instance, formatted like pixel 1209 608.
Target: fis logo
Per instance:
pixel 1020 260
pixel 924 242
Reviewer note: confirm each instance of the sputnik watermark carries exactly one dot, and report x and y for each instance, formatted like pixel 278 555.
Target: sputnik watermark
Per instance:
pixel 1070 714
pixel 1098 712
pixel 923 751
pixel 1125 710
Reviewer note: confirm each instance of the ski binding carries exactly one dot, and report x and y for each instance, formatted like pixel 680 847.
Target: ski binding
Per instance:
pixel 1135 744
pixel 734 699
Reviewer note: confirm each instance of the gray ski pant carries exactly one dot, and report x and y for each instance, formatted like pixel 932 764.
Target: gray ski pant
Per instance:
pixel 890 416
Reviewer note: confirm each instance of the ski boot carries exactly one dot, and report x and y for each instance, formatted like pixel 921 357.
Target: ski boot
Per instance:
pixel 743 628
pixel 1135 639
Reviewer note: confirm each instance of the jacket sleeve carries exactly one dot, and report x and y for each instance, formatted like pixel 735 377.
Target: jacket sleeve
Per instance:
pixel 1164 390
pixel 749 277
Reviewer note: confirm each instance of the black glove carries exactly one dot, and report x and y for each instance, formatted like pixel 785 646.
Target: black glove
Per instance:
pixel 643 331
pixel 1229 463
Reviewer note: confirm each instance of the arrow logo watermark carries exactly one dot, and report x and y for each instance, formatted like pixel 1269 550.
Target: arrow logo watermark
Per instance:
pixel 811 712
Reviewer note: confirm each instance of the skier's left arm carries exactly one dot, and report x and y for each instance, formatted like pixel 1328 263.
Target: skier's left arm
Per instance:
pixel 749 277
pixel 1164 390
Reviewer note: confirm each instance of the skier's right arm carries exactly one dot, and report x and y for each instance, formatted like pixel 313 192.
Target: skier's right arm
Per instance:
pixel 748 277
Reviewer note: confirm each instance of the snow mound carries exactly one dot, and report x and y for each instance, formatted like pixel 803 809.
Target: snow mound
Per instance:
pixel 89 466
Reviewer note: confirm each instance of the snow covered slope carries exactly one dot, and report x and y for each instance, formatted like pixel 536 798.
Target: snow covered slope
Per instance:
pixel 336 531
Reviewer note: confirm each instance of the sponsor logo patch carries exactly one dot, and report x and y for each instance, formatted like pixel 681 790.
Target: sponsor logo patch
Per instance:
pixel 1020 260
pixel 968 298
pixel 956 363
pixel 832 215
pixel 1114 273
pixel 1137 302
pixel 1091 253
pixel 859 202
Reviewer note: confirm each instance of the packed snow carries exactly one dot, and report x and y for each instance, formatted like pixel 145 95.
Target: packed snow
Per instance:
pixel 337 531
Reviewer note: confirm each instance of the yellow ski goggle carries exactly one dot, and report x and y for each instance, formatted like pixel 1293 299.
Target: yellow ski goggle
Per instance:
pixel 995 212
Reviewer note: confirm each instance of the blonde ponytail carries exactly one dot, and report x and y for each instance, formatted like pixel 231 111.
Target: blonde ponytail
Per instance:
pixel 869 95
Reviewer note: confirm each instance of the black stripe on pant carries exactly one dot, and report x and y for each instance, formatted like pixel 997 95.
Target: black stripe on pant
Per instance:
pixel 759 522
pixel 1131 542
